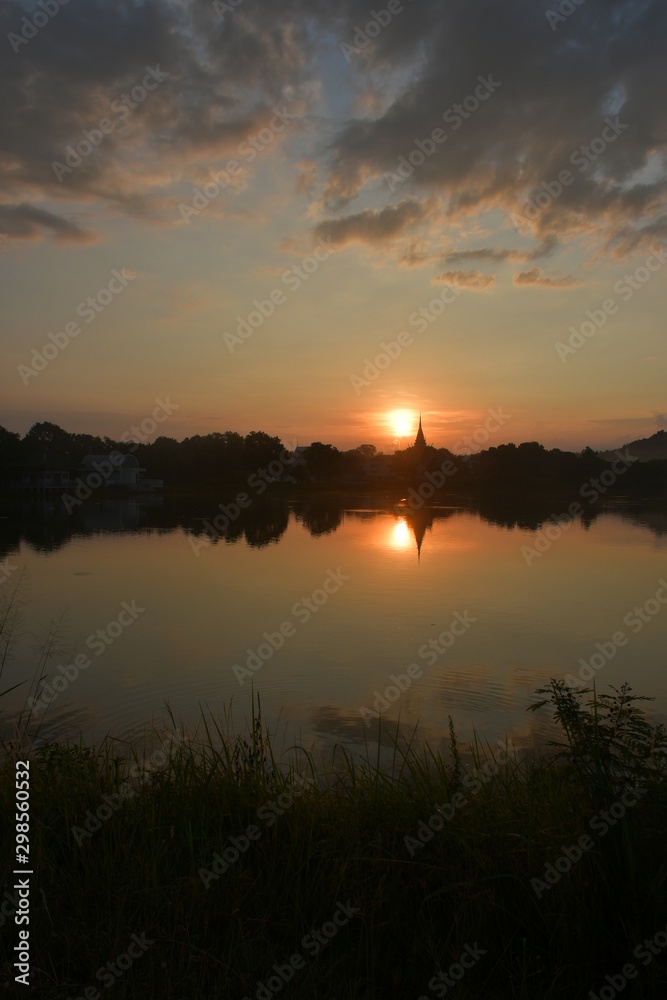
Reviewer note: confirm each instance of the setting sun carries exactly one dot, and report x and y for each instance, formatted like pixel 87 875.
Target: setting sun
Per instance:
pixel 402 422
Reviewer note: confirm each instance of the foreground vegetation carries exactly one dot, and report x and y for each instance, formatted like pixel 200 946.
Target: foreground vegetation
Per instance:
pixel 214 872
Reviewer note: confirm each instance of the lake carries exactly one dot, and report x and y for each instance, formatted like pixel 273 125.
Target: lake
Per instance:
pixel 326 605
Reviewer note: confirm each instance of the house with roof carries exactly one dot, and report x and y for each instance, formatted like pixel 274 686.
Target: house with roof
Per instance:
pixel 119 470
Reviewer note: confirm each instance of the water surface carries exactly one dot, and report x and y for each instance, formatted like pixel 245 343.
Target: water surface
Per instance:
pixel 394 582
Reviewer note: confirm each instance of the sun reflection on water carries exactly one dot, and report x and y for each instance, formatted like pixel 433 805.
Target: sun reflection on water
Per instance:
pixel 401 536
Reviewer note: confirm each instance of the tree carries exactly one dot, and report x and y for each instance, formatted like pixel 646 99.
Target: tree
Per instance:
pixel 260 449
pixel 322 460
pixel 10 445
pixel 46 434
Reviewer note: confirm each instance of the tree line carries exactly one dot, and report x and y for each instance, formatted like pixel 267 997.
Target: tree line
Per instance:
pixel 527 469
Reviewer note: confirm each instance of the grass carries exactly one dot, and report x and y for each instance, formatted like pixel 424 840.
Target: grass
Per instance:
pixel 308 837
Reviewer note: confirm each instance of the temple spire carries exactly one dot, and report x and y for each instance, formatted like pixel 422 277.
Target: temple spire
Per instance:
pixel 420 440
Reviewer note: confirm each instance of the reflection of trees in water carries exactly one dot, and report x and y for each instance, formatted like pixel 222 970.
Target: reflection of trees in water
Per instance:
pixel 42 537
pixel 529 515
pixel 41 524
pixel 267 529
pixel 260 525
pixel 654 519
pixel 321 515
pixel 532 515
pixel 46 526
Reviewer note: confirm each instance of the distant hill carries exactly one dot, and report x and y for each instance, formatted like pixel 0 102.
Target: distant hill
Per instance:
pixel 645 449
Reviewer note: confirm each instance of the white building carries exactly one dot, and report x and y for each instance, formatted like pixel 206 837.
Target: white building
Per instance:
pixel 125 471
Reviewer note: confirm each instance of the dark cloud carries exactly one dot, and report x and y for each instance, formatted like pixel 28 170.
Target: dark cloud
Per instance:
pixel 416 255
pixel 25 222
pixel 373 226
pixel 544 109
pixel 535 277
pixel 496 255
pixel 584 98
pixel 222 81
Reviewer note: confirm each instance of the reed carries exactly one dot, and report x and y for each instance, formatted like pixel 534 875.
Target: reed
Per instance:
pixel 335 879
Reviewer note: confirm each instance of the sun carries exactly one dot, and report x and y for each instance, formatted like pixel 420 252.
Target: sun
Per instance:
pixel 401 422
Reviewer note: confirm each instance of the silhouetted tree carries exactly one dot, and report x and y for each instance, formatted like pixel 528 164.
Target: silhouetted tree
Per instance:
pixel 46 434
pixel 260 449
pixel 322 460
pixel 10 448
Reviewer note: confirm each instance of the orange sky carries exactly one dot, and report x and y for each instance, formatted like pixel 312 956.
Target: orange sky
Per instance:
pixel 282 221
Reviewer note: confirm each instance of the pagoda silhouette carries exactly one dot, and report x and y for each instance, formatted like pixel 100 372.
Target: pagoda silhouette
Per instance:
pixel 420 447
pixel 419 521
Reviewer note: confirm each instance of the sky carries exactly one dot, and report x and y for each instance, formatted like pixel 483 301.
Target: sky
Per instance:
pixel 237 208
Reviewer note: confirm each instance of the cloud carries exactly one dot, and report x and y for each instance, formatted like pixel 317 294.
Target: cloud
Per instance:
pixel 417 254
pixel 27 222
pixel 306 170
pixel 535 277
pixel 373 226
pixel 628 240
pixel 497 255
pixel 475 281
pixel 221 84
pixel 553 93
pixel 637 423
pixel 500 151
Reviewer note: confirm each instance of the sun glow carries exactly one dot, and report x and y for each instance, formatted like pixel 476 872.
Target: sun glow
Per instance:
pixel 401 536
pixel 402 423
